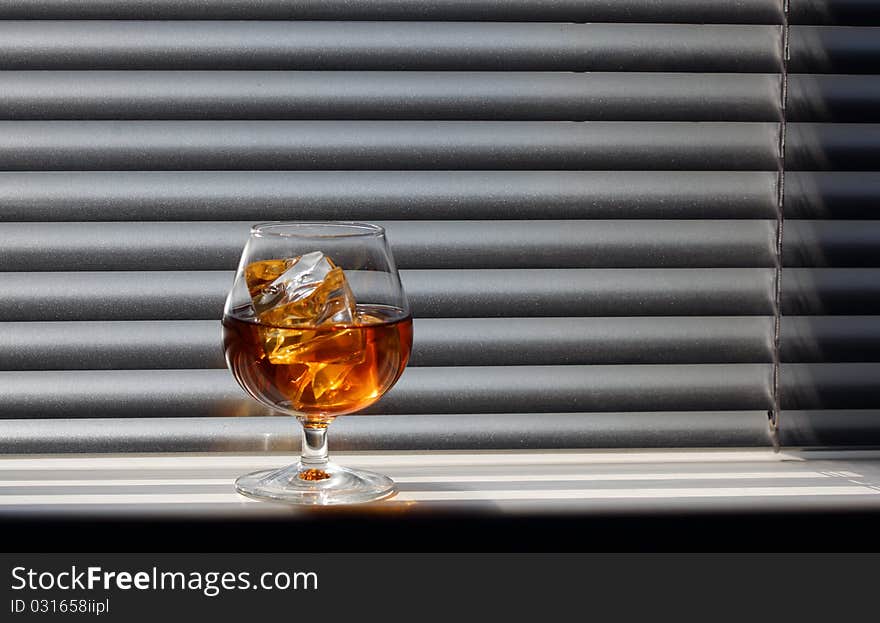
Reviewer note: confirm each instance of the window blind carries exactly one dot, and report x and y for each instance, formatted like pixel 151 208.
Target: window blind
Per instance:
pixel 829 374
pixel 582 197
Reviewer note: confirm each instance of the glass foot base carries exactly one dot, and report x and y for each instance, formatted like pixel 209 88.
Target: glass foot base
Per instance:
pixel 332 484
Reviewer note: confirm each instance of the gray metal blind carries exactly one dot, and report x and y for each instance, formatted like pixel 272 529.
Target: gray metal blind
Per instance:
pixel 582 196
pixel 830 330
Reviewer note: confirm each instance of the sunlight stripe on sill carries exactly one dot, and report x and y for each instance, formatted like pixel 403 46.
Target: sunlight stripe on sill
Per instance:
pixel 428 479
pixel 68 499
pixel 430 496
pixel 463 478
pixel 605 494
pixel 622 477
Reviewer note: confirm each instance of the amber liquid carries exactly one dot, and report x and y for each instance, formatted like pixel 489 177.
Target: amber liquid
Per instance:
pixel 324 371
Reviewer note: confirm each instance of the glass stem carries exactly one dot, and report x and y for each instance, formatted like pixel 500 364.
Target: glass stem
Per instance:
pixel 314 454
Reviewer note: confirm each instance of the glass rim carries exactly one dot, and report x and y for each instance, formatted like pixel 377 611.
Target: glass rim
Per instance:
pixel 343 229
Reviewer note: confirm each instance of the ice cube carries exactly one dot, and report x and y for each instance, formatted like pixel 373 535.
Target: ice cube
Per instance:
pixel 305 346
pixel 307 290
pixel 258 275
pixel 296 300
pixel 328 377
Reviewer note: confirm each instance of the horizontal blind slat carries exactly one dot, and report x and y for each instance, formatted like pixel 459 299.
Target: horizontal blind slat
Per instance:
pixel 699 429
pixel 830 385
pixel 842 12
pixel 438 342
pixel 140 393
pixel 120 44
pixel 831 243
pixel 81 44
pixel 823 146
pixel 433 95
pixel 831 427
pixel 53 145
pixel 216 245
pixel 821 291
pixel 699 11
pixel 834 49
pixel 108 345
pixel 192 295
pixel 843 98
pixel 404 95
pixel 832 194
pixel 183 295
pixel 465 341
pixel 816 339
pixel 369 195
pixel 466 244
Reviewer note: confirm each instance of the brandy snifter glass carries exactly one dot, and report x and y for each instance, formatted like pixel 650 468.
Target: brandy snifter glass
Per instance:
pixel 316 325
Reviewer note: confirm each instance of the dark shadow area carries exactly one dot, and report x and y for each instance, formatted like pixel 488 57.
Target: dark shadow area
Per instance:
pixel 825 531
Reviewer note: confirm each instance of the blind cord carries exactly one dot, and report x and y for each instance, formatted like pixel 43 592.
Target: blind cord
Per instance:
pixel 774 413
